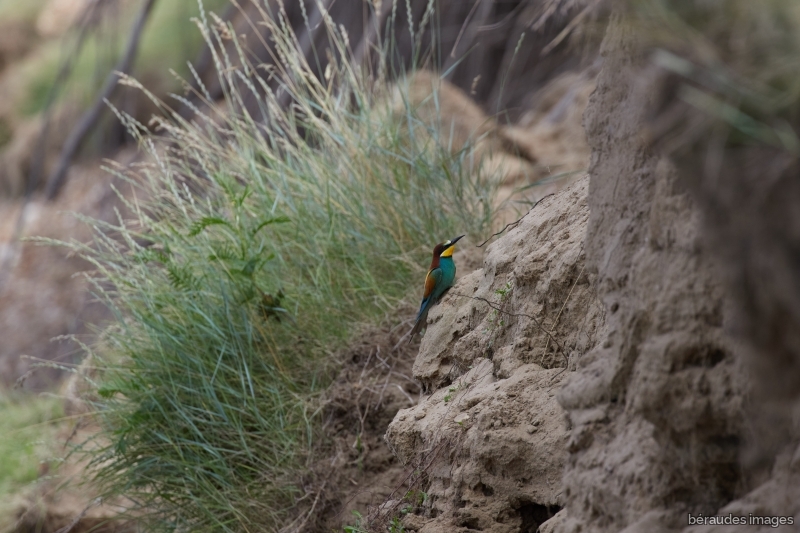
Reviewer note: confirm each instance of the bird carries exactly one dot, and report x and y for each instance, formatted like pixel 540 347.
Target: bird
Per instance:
pixel 440 277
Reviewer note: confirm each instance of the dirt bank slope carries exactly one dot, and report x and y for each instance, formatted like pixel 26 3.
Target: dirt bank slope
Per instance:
pixel 488 438
pixel 697 381
pixel 657 407
pixel 684 395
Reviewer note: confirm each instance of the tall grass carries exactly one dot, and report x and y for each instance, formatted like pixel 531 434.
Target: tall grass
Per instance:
pixel 253 245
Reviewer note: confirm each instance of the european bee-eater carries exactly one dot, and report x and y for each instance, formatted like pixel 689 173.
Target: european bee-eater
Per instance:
pixel 440 278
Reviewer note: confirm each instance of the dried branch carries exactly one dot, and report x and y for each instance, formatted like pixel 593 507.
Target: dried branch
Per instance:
pixel 535 321
pixel 69 527
pixel 91 116
pixel 515 223
pixel 8 259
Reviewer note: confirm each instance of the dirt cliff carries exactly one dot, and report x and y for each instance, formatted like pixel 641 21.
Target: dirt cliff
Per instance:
pixel 488 438
pixel 681 334
pixel 690 236
pixel 657 407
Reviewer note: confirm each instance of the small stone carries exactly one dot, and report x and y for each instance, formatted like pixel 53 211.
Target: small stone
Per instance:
pixel 419 415
pixel 532 429
pixel 536 422
pixel 460 419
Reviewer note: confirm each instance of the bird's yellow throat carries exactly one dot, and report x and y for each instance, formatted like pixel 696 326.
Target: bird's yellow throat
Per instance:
pixel 448 251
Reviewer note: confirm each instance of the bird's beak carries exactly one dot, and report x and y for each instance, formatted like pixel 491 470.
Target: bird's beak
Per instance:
pixel 449 247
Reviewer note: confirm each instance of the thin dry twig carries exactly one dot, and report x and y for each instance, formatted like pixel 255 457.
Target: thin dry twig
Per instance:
pixel 69 527
pixel 568 29
pixel 555 321
pixel 516 221
pixel 464 27
pixel 407 395
pixel 308 515
pixel 535 321
pixel 424 462
pixel 405 335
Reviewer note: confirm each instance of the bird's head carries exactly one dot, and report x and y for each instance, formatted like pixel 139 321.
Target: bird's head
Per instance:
pixel 446 248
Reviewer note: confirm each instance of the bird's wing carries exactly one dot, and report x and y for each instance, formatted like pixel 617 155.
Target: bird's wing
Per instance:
pixel 431 280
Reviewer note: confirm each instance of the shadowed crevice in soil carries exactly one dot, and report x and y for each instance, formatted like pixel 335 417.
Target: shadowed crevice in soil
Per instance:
pixel 354 469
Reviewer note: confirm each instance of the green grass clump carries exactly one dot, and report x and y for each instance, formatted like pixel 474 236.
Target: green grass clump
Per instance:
pixel 255 245
pixel 27 426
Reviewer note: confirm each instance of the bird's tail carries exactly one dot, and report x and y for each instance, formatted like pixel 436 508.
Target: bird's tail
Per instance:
pixel 422 319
